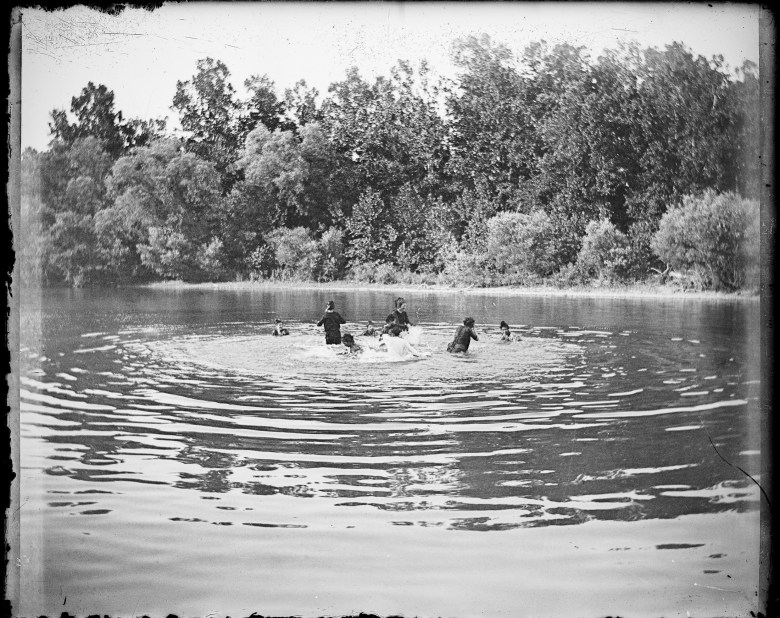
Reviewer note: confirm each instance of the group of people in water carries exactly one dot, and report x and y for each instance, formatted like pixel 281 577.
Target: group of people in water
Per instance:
pixel 389 335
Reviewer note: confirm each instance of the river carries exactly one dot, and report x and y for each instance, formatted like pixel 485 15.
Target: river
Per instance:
pixel 176 458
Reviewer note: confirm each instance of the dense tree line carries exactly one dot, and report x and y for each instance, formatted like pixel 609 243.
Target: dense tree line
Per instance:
pixel 550 167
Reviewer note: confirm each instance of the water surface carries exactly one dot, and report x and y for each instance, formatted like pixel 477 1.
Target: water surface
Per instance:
pixel 176 458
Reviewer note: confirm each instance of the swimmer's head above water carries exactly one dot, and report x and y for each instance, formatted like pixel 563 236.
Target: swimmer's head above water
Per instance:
pixel 331 305
pixel 400 303
pixel 468 322
pixel 349 343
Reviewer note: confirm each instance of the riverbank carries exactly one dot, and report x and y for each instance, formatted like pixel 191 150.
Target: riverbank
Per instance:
pixel 629 291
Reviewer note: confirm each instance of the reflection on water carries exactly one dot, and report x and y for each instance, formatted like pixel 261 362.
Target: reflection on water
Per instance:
pixel 604 410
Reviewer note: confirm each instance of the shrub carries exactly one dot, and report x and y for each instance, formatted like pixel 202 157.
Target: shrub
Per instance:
pixel 210 260
pixel 712 238
pixel 294 251
pixel 465 268
pixel 604 254
pixel 373 273
pixel 569 275
pixel 521 247
pixel 169 254
pixel 164 253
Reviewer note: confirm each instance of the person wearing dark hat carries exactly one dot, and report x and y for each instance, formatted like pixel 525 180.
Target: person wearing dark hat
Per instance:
pixel 332 322
pixel 463 337
pixel 279 329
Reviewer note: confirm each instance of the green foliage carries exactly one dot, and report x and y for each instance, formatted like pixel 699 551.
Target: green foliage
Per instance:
pixel 605 253
pixel 260 263
pixel 290 174
pixel 520 247
pixel 300 103
pixel 294 252
pixel 712 237
pixel 386 134
pixel 464 268
pixel 493 142
pixel 95 117
pixel 550 167
pixel 73 258
pixel 370 231
pixel 263 107
pixel 641 257
pixel 330 256
pixel 170 202
pixel 420 227
pixel 69 191
pixel 211 117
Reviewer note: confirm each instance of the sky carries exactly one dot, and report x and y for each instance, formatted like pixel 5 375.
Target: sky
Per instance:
pixel 141 54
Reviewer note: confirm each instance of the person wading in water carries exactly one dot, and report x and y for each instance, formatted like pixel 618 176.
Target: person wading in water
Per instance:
pixel 463 337
pixel 400 315
pixel 332 321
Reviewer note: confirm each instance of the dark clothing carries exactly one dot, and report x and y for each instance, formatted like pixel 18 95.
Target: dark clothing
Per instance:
pixel 332 321
pixel 463 337
pixel 401 318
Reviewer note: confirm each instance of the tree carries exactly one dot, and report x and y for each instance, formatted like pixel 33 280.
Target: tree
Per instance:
pixel 73 191
pixel 263 107
pixel 291 176
pixel 272 164
pixel 590 145
pixel 685 123
pixel 492 140
pixel 386 134
pixel 171 203
pixel 300 103
pixel 421 226
pixel 95 117
pixel 210 116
